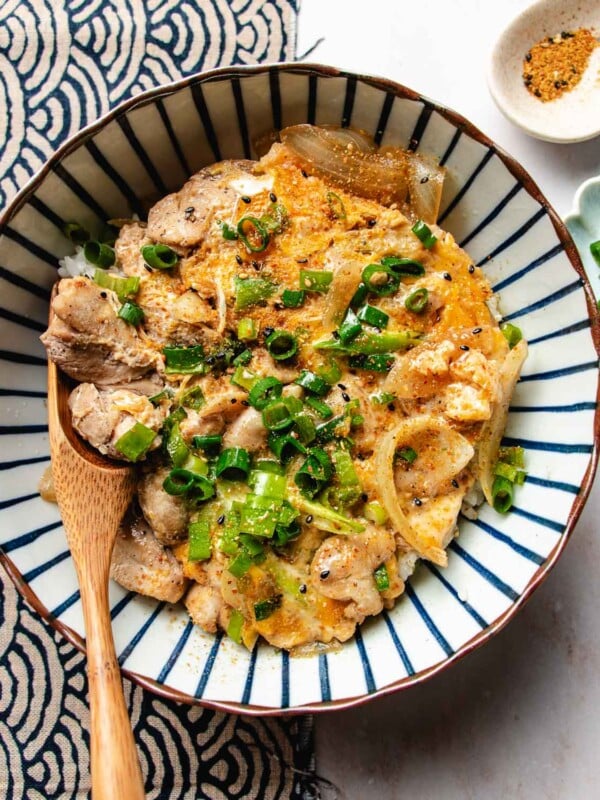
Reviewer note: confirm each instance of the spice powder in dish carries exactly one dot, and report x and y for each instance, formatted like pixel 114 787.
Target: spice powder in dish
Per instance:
pixel 556 64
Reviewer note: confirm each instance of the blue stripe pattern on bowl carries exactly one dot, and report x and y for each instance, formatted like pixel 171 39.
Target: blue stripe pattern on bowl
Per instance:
pixel 148 147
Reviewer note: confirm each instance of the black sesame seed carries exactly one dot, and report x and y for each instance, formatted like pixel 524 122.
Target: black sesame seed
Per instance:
pixel 472 269
pixel 256 265
pixel 278 306
pixel 210 360
pixel 447 276
pixel 268 331
pixel 464 347
pixel 148 268
pixel 417 502
pixel 302 588
pixel 273 197
pixel 342 387
pixel 391 407
pixel 557 84
pixel 246 199
pixel 221 519
pixel 477 330
pixel 360 457
pixel 346 397
pixel 302 261
pixel 324 574
pixel 335 335
pixel 190 210
pixel 238 258
pixel 304 174
pixel 211 301
pixel 364 497
pixel 528 57
pixel 454 483
pixel 424 179
pixel 233 401
pixel 103 295
pixel 371 222
pixel 245 403
pixel 537 93
pixel 309 519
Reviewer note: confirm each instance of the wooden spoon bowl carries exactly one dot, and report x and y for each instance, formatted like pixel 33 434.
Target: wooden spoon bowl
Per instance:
pixel 93 494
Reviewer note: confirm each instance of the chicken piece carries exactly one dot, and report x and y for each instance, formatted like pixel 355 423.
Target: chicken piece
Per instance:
pixel 166 513
pixel 87 339
pixel 343 567
pixel 101 417
pixel 421 371
pixel 436 518
pixel 247 431
pixel 131 239
pixel 183 219
pixel 141 564
pixel 214 415
pixel 204 604
pixel 466 403
pixel 264 365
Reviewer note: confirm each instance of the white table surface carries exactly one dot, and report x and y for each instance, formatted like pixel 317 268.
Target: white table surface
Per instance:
pixel 520 717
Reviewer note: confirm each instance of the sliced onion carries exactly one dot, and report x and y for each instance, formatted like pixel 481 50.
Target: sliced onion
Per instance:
pixel 374 175
pixel 425 183
pixel 349 136
pixel 437 517
pixel 346 277
pixel 492 431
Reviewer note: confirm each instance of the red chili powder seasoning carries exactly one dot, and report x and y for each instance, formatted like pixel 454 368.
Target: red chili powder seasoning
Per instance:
pixel 556 64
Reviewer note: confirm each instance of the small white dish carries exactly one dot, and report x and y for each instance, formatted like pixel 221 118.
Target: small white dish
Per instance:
pixel 584 226
pixel 573 117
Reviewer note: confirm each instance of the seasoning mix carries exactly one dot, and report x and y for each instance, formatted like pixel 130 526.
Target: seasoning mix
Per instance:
pixel 556 64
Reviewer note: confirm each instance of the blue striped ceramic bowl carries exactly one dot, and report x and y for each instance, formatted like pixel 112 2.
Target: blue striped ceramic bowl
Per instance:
pixel 147 147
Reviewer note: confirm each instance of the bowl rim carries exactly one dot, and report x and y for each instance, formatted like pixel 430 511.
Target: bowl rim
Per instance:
pixel 461 123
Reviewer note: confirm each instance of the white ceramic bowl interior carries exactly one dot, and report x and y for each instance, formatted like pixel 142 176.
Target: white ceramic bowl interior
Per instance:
pixel 148 147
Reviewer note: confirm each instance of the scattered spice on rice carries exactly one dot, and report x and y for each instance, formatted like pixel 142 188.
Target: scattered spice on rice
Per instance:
pixel 556 64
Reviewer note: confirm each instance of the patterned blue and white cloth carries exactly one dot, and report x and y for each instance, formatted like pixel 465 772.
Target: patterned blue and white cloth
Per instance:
pixel 63 63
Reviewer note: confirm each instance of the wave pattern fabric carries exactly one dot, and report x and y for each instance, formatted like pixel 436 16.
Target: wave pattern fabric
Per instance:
pixel 63 63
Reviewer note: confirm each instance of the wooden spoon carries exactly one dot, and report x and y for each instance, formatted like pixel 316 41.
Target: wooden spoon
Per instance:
pixel 93 494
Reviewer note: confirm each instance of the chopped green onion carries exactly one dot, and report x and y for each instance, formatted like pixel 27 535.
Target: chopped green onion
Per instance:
pixel 350 327
pixel 276 416
pixel 234 628
pixel 252 545
pixel 268 484
pixel 359 296
pixel 208 443
pixel 502 494
pixel 229 233
pixel 330 372
pixel 175 446
pixel 382 579
pixel 124 288
pixel 247 329
pixel 314 280
pixel 281 345
pixel 192 398
pixel 373 316
pixel 336 206
pixel 379 287
pixel 99 254
pixel 233 464
pixel 264 391
pixel 305 427
pixel 241 564
pixel 293 298
pixel 595 251
pixel 75 233
pixel 344 468
pixel 276 220
pixel 200 545
pixel 244 378
pixel 417 300
pixel 159 256
pixel 506 471
pixel 253 233
pixel 383 398
pixel 371 343
pixel 202 490
pixel 312 383
pixel 195 464
pixel 343 525
pixel 264 608
pixel 512 455
pixel 184 360
pixel 407 454
pixel 179 481
pixel 259 516
pixel 512 334
pixel 285 446
pixel 268 465
pixel 314 473
pixel 375 512
pixel 423 232
pixel 243 358
pixel 135 442
pixel 404 267
pixel 131 312
pixel 382 362
pixel 321 408
pixel 252 292
pixel 284 534
pixel 325 432
pixel 165 394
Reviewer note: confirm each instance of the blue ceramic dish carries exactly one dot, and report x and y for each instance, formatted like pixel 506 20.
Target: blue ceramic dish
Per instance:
pixel 147 147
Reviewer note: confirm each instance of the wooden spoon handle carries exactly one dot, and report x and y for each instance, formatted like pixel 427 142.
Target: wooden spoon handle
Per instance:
pixel 116 773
